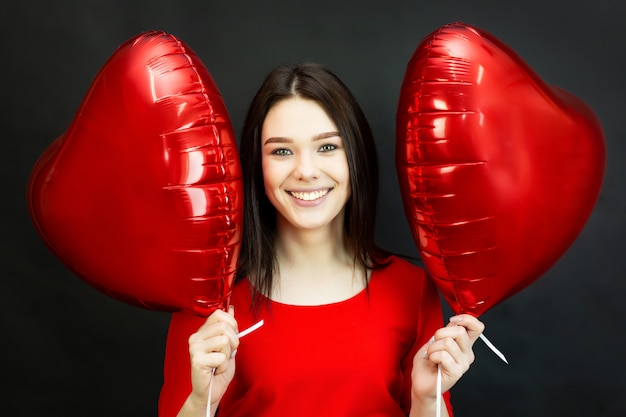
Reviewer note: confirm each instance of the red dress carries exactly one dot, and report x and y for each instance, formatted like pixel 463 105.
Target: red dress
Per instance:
pixel 350 358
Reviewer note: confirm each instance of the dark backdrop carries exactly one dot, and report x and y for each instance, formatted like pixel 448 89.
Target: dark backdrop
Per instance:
pixel 69 350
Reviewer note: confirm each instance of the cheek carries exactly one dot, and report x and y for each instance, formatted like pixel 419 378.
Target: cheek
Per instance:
pixel 342 173
pixel 348 182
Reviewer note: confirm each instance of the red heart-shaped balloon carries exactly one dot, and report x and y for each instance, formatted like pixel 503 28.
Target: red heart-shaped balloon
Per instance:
pixel 142 196
pixel 498 170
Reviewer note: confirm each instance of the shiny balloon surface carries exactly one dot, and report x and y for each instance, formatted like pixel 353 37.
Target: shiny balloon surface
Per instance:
pixel 141 197
pixel 498 170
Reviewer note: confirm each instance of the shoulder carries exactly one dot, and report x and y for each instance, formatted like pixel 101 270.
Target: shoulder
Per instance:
pixel 403 280
pixel 241 300
pixel 399 275
pixel 241 294
pixel 401 269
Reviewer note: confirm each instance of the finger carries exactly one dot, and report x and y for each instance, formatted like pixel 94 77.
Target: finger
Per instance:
pixel 474 326
pixel 445 348
pixel 221 316
pixel 208 360
pixel 213 353
pixel 456 342
pixel 449 354
pixel 451 368
pixel 218 323
pixel 214 343
pixel 216 362
pixel 213 330
pixel 220 343
pixel 456 333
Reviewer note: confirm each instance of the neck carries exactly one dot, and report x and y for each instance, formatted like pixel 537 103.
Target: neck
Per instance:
pixel 315 266
pixel 305 247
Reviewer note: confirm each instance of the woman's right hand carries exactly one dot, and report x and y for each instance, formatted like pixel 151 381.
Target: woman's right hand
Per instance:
pixel 211 348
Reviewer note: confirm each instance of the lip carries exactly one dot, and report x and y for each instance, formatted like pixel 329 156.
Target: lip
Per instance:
pixel 309 197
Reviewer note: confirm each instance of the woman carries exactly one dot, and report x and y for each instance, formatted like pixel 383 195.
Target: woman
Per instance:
pixel 348 328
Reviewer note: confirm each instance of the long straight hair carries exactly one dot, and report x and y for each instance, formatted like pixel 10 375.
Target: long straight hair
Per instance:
pixel 314 82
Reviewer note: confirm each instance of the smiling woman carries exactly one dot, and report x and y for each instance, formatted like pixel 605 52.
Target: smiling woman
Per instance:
pixel 305 169
pixel 349 328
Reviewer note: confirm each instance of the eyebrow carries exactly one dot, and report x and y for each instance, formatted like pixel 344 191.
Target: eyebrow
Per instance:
pixel 281 139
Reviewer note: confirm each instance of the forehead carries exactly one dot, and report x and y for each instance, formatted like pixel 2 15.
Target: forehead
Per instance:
pixel 296 117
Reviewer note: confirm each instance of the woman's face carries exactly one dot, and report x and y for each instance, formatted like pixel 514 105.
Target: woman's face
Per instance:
pixel 305 169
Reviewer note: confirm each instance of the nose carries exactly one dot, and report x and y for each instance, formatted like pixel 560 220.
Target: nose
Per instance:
pixel 306 168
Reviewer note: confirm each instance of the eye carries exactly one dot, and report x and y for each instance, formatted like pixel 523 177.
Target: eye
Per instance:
pixel 281 152
pixel 328 147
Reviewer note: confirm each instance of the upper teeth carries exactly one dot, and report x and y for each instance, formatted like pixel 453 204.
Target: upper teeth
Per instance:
pixel 309 196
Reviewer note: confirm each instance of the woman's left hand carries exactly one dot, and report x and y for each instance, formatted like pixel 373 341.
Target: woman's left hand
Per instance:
pixel 451 348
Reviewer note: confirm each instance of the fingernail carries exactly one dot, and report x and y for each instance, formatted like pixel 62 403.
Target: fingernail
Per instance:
pixel 432 340
pixel 455 319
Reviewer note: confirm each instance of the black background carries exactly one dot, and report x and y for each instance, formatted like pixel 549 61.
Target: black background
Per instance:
pixel 69 350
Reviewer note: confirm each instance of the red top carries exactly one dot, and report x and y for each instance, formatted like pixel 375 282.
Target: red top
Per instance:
pixel 351 358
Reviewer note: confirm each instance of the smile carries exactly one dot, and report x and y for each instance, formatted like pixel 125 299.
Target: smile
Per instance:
pixel 314 195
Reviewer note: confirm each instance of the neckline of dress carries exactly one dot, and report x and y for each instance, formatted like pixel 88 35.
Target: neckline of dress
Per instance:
pixel 338 303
